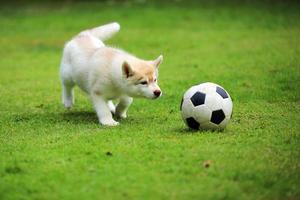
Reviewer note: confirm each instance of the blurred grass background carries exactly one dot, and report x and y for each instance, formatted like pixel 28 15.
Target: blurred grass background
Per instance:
pixel 249 47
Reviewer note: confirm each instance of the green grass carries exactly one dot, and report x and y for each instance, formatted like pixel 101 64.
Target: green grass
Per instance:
pixel 252 49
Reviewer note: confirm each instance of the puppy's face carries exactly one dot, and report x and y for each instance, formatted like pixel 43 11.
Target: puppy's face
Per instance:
pixel 141 78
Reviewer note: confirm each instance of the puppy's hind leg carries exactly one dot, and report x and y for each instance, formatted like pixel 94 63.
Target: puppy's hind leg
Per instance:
pixel 67 83
pixel 68 93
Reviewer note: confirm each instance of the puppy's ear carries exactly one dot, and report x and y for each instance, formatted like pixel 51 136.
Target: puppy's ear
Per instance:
pixel 127 70
pixel 157 61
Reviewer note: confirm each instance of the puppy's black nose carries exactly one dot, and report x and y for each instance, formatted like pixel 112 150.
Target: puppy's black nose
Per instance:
pixel 157 93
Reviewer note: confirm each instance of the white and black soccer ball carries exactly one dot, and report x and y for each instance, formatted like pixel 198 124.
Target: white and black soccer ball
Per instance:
pixel 206 106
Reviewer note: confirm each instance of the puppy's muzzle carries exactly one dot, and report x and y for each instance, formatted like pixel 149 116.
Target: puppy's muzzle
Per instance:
pixel 157 93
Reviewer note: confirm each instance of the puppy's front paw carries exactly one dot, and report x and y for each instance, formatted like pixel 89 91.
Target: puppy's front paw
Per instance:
pixel 109 122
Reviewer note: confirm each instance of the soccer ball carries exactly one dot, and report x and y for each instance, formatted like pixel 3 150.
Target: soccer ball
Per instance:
pixel 206 106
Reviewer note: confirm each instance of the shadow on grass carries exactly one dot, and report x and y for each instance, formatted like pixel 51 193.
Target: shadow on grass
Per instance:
pixel 72 117
pixel 82 117
pixel 188 131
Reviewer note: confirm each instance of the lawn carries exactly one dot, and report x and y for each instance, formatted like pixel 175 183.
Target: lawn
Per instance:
pixel 251 49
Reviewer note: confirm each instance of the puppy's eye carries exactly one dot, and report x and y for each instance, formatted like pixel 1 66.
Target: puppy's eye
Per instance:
pixel 155 80
pixel 144 82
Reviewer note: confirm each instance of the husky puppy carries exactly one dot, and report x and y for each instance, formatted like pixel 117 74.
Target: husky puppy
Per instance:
pixel 106 73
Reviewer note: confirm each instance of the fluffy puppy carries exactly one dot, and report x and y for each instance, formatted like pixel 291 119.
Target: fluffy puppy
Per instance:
pixel 106 73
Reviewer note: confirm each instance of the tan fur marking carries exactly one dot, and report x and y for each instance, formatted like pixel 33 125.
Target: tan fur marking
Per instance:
pixel 144 70
pixel 140 78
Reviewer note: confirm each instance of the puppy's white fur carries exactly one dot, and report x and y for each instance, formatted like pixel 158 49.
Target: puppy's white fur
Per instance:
pixel 106 73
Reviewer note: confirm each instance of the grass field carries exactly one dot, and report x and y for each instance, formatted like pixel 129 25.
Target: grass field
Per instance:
pixel 252 50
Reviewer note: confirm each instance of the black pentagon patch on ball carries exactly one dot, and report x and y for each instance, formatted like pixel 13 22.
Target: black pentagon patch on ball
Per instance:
pixel 192 123
pixel 222 92
pixel 217 116
pixel 198 98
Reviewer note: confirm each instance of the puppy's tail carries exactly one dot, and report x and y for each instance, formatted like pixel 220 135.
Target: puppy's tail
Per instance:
pixel 106 31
